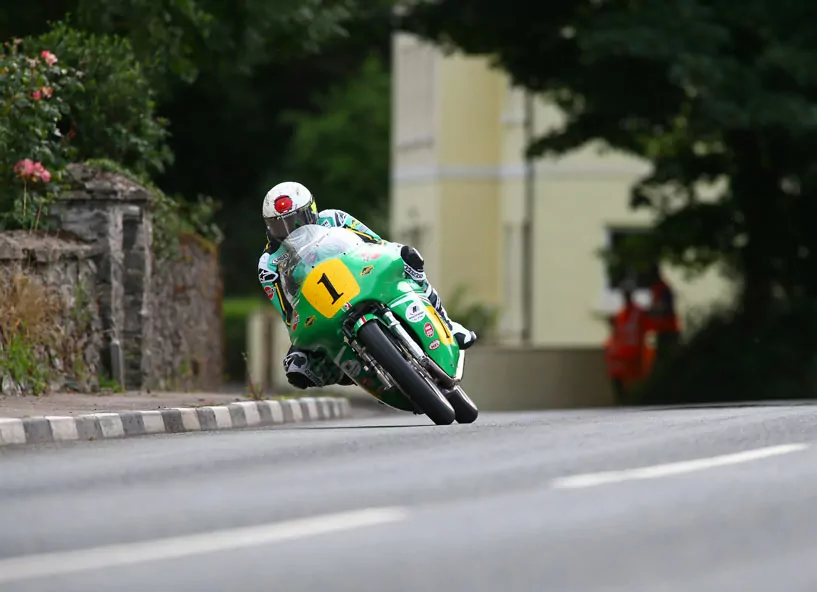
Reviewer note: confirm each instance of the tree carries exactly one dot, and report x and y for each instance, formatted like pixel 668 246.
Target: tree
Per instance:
pixel 707 91
pixel 177 38
pixel 221 72
pixel 112 114
pixel 341 150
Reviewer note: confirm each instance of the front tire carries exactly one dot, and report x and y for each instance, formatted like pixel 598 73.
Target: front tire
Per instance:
pixel 426 396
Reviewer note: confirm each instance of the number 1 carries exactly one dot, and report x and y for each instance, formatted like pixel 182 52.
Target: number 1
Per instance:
pixel 330 288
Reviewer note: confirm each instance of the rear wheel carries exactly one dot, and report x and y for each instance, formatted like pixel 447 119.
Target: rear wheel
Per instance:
pixel 408 378
pixel 464 407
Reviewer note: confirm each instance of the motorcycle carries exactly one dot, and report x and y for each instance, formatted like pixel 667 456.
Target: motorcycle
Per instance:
pixel 353 301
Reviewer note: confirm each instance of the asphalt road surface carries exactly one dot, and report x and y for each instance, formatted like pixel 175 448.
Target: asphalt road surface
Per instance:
pixel 699 499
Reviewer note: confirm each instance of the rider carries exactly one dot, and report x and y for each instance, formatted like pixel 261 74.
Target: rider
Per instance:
pixel 289 205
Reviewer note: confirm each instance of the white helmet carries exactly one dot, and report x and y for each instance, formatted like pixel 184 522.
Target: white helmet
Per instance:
pixel 288 206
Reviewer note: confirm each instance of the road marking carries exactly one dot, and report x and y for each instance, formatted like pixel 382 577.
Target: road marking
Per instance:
pixel 677 468
pixel 67 562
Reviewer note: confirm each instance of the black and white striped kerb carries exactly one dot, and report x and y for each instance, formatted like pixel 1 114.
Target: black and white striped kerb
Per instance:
pixel 244 414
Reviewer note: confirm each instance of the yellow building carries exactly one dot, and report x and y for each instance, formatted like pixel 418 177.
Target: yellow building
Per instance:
pixel 463 194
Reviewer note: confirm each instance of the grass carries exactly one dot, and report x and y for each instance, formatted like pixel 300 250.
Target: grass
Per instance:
pixel 241 306
pixel 30 326
pixel 236 312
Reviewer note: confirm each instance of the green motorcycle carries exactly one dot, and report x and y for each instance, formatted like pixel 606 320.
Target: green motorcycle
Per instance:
pixel 353 300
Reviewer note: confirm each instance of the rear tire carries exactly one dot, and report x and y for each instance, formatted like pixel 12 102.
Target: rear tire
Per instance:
pixel 464 407
pixel 424 395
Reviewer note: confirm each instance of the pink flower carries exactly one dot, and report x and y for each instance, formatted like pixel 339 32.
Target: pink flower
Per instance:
pixel 47 91
pixel 24 168
pixel 49 57
pixel 29 170
pixel 42 173
pixel 36 95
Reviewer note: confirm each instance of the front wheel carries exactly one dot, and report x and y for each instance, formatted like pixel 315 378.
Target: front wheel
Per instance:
pixel 413 385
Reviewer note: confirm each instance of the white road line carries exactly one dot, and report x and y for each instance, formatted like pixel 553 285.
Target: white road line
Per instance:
pixel 677 468
pixel 67 562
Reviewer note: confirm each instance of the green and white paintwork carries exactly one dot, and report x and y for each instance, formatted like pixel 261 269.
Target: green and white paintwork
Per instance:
pixel 327 283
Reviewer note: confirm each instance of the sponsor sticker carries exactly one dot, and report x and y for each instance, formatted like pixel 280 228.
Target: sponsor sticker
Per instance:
pixel 434 344
pixel 308 322
pixel 415 313
pixel 428 329
pixel 366 270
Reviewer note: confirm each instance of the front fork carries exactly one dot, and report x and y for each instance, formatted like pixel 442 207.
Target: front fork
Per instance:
pixel 397 329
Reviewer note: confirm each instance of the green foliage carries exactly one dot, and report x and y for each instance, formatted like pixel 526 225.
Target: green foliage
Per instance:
pixel 724 361
pixel 236 313
pixel 112 114
pixel 64 96
pixel 176 39
pixel 477 316
pixel 109 384
pixel 223 72
pixel 713 93
pixel 32 149
pixel 341 150
pixel 704 90
pixel 40 337
pixel 20 362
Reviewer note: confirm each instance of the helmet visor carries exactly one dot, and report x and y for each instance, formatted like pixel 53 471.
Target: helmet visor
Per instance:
pixel 280 227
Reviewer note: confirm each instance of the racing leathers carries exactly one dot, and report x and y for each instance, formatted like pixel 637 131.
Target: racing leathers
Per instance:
pixel 308 368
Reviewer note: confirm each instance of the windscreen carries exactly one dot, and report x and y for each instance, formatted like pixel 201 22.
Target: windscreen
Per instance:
pixel 308 246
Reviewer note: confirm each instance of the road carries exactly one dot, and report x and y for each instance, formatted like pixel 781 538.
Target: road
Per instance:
pixel 704 499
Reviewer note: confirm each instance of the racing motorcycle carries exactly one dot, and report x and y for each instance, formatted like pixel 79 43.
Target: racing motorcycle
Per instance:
pixel 353 300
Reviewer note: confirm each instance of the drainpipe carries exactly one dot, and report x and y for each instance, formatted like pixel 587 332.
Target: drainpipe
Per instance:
pixel 527 228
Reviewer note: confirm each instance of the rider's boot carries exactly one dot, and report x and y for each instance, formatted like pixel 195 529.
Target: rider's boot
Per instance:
pixel 415 269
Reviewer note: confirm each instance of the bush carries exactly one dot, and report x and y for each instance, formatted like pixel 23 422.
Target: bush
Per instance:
pixel 728 362
pixel 113 113
pixel 32 149
pixel 38 334
pixel 477 316
pixel 64 96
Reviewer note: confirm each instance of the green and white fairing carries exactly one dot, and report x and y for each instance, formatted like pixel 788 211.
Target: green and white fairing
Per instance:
pixel 337 283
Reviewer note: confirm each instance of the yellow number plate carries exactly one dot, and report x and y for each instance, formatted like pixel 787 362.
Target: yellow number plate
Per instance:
pixel 439 325
pixel 329 286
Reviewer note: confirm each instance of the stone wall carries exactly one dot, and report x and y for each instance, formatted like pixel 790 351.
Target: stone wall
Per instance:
pixel 48 296
pixel 186 343
pixel 155 324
